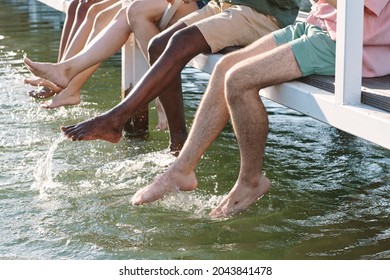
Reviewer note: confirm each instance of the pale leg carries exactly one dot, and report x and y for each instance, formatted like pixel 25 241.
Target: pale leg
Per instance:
pixel 75 15
pixel 71 94
pixel 250 122
pixel 98 50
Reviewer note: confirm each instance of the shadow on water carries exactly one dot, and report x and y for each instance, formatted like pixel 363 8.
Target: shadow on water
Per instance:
pixel 63 200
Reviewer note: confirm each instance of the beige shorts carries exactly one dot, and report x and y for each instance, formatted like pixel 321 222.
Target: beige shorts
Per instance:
pixel 226 25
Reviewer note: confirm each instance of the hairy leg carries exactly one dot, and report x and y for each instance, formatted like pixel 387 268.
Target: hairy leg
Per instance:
pixel 250 120
pixel 211 117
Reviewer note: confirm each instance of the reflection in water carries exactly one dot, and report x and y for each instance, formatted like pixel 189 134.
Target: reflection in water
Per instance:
pixel 60 199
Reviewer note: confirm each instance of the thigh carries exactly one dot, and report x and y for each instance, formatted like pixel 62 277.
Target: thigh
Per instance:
pixel 265 69
pixel 212 8
pixel 184 10
pixel 150 9
pixel 236 25
pixel 315 52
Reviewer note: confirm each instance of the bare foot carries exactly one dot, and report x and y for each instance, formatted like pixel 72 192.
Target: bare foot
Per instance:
pixel 48 71
pixel 167 182
pixel 64 98
pixel 39 82
pixel 99 128
pixel 240 198
pixel 41 93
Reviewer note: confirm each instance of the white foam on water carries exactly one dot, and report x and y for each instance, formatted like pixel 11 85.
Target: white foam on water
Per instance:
pixel 140 171
pixel 136 171
pixel 197 203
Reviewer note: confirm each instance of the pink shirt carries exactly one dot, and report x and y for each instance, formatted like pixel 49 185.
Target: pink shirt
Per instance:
pixel 376 36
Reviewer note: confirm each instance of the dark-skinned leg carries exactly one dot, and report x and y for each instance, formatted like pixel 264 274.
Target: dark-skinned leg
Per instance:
pixel 172 97
pixel 157 79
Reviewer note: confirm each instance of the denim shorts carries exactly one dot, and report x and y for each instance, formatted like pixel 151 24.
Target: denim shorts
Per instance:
pixel 314 50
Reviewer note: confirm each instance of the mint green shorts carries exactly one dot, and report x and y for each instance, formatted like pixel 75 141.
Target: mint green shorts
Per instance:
pixel 314 50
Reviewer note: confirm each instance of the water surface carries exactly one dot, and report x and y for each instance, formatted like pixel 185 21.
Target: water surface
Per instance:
pixel 63 200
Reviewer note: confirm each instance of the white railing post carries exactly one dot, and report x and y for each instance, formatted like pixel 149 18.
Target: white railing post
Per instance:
pixel 349 51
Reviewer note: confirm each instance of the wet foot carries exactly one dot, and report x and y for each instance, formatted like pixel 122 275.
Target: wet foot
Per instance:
pixel 66 97
pixel 167 182
pixel 41 93
pixel 240 198
pixel 49 71
pixel 39 82
pixel 98 128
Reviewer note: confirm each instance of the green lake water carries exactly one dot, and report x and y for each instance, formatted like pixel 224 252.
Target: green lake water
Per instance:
pixel 64 200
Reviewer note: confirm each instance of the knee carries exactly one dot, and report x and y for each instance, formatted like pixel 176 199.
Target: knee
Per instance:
pixel 223 65
pixel 237 84
pixel 232 76
pixel 135 10
pixel 156 47
pixel 231 88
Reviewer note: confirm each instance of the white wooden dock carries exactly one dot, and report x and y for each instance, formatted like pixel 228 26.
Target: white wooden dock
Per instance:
pixel 342 108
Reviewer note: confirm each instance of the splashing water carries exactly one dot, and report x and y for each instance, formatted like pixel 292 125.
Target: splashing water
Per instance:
pixel 72 200
pixel 43 170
